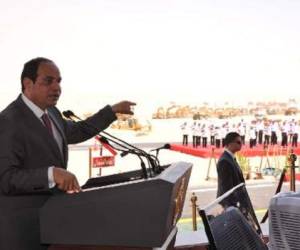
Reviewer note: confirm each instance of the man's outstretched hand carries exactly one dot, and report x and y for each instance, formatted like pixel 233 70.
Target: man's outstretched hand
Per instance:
pixel 124 107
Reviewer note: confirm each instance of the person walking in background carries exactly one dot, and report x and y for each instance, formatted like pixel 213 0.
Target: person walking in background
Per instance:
pixel 228 169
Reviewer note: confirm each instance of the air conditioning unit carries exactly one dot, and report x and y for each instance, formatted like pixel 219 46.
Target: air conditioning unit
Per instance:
pixel 284 221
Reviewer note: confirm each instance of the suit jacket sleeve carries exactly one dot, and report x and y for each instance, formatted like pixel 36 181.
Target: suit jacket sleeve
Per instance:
pixel 77 132
pixel 25 155
pixel 14 178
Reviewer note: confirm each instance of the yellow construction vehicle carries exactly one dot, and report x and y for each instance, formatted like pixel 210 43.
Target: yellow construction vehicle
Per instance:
pixel 128 122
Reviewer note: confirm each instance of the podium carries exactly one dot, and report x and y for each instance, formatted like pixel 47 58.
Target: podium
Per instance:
pixel 142 213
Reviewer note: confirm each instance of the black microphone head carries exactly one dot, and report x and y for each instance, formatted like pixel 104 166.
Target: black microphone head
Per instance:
pixel 67 113
pixel 72 113
pixel 167 146
pixel 124 153
pixel 103 139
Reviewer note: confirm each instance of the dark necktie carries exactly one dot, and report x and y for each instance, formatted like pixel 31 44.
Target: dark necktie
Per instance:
pixel 47 123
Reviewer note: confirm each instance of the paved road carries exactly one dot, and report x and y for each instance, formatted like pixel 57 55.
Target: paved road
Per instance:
pixel 260 196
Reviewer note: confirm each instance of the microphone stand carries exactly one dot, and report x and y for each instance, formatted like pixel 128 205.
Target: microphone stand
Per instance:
pixel 125 152
pixel 151 159
pixel 143 166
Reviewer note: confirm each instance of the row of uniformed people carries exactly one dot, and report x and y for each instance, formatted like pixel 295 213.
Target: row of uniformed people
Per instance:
pixel 257 132
pixel 201 132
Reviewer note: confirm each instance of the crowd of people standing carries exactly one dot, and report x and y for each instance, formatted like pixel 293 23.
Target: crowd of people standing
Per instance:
pixel 255 132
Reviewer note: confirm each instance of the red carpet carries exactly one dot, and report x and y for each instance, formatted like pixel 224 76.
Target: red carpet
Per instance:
pixel 287 177
pixel 246 150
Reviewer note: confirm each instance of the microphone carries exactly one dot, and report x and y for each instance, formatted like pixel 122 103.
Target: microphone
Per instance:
pixel 153 161
pixel 124 153
pixel 68 114
pixel 166 146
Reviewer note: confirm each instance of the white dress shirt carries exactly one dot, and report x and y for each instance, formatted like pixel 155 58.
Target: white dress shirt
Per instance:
pixel 39 113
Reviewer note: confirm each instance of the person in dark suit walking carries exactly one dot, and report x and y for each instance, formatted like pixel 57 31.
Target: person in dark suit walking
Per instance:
pixel 34 140
pixel 228 169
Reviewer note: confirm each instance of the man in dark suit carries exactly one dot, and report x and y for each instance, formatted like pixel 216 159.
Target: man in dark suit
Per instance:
pixel 229 171
pixel 34 152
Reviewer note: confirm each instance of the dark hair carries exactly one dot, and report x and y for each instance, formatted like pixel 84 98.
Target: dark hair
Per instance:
pixel 31 67
pixel 230 137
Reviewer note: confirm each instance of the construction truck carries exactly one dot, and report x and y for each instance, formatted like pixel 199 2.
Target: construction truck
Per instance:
pixel 129 122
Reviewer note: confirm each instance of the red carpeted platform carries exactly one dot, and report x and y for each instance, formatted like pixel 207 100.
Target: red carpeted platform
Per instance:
pixel 246 150
pixel 288 178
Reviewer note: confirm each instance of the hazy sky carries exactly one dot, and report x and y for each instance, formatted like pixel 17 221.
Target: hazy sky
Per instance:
pixel 155 51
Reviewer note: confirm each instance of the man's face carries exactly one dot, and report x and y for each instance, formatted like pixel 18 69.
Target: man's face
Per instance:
pixel 45 91
pixel 236 145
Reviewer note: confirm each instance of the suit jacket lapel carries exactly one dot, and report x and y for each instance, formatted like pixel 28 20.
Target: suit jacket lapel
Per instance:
pixel 39 128
pixel 237 166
